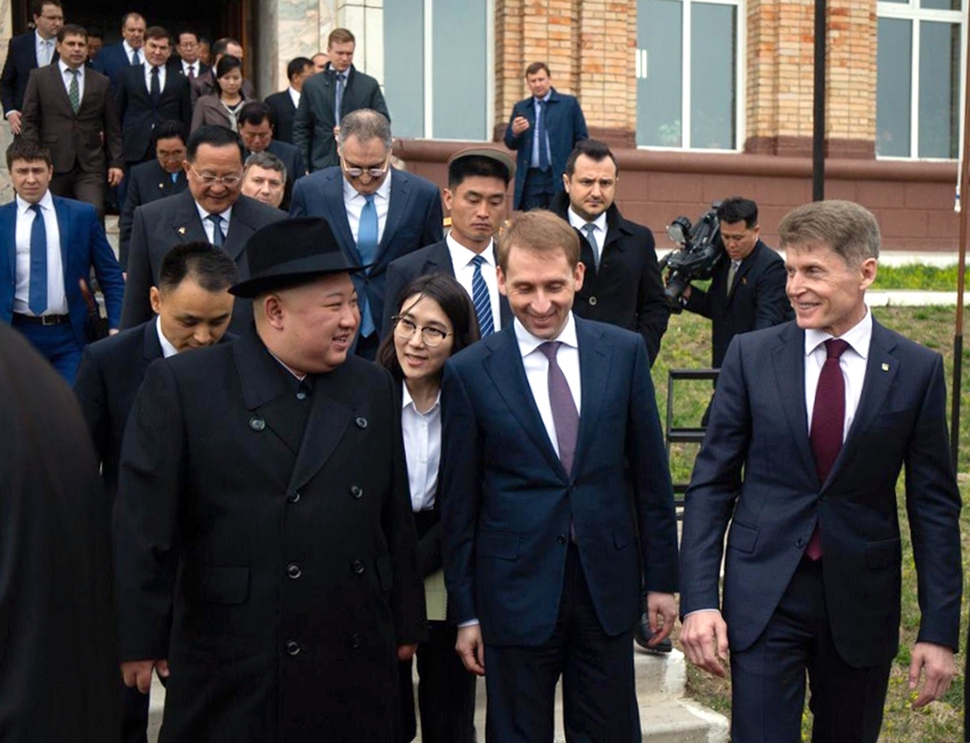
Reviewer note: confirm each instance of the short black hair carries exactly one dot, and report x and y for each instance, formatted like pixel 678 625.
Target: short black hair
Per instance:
pixel 158 32
pixel 178 38
pixel 95 33
pixel 476 165
pixel 167 129
pixel 737 209
pixel 21 149
pixel 255 113
pixel 593 149
pixel 214 135
pixel 71 29
pixel 37 6
pixel 296 66
pixel 227 63
pixel 536 67
pixel 209 266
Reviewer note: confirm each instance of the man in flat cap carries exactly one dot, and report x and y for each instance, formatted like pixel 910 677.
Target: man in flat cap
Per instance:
pixel 268 563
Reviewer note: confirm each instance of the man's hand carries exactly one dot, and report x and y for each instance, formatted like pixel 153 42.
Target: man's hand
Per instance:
pixel 139 673
pixel 519 125
pixel 661 613
pixel 686 293
pixel 115 175
pixel 471 649
pixel 705 641
pixel 13 118
pixel 406 652
pixel 937 662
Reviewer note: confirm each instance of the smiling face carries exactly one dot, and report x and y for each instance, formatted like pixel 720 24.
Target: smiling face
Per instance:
pixel 417 359
pixel 216 162
pixel 540 287
pixel 827 293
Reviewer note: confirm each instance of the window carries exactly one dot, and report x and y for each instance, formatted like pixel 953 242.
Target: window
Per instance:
pixel 687 64
pixel 918 78
pixel 438 76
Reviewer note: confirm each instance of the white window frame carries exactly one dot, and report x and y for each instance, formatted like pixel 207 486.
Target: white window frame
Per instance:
pixel 641 66
pixel 911 11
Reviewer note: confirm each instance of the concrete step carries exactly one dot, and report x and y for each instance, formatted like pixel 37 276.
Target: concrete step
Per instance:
pixel 113 231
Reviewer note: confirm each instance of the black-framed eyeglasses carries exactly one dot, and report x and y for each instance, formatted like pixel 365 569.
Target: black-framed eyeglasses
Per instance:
pixel 432 336
pixel 372 172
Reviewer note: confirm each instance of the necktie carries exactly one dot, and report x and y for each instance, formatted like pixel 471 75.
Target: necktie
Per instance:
pixel 732 272
pixel 37 288
pixel 191 72
pixel 218 239
pixel 590 230
pixel 367 249
pixel 136 58
pixel 156 90
pixel 338 101
pixel 541 137
pixel 74 92
pixel 828 420
pixel 45 53
pixel 565 417
pixel 481 299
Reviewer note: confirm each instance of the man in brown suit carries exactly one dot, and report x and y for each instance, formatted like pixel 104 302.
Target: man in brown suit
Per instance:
pixel 68 109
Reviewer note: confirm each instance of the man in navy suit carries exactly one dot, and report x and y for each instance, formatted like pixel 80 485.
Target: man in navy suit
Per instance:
pixel 113 59
pixel 478 180
pixel 30 50
pixel 544 128
pixel 285 103
pixel 377 213
pixel 556 502
pixel 811 424
pixel 193 306
pixel 51 246
pixel 256 130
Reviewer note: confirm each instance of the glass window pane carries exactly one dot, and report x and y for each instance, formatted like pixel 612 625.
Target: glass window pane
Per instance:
pixel 660 88
pixel 939 4
pixel 404 66
pixel 893 87
pixel 713 50
pixel 939 74
pixel 460 75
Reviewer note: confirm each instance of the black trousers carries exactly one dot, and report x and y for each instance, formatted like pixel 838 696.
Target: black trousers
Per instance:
pixel 538 189
pixel 768 679
pixel 134 715
pixel 598 688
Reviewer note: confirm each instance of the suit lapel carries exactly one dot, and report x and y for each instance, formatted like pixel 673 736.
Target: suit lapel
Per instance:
pixel 504 367
pixel 151 347
pixel 187 224
pixel 333 200
pixel 396 209
pixel 594 375
pixel 742 272
pixel 239 229
pixel 64 227
pixel 329 418
pixel 8 231
pixel 788 362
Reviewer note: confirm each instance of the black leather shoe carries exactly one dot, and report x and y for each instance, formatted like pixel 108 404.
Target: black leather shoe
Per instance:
pixel 643 635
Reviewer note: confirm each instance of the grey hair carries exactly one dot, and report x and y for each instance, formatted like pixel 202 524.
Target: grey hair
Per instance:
pixel 850 230
pixel 366 124
pixel 266 160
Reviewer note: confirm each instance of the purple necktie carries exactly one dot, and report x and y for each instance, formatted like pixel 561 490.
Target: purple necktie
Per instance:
pixel 565 417
pixel 828 419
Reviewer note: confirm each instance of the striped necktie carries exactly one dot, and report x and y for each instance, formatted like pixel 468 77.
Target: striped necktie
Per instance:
pixel 481 299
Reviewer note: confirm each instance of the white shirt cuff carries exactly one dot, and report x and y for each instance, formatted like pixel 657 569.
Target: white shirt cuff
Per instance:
pixel 469 623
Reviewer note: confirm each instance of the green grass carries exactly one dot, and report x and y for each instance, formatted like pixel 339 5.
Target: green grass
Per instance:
pixel 687 346
pixel 917 276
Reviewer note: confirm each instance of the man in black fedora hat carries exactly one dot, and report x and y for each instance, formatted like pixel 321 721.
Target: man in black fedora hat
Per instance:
pixel 266 556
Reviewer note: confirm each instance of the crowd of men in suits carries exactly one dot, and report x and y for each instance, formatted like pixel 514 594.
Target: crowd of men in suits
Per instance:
pixel 264 547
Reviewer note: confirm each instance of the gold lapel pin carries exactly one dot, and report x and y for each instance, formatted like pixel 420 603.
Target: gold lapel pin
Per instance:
pixel 885 367
pixel 181 230
pixel 161 185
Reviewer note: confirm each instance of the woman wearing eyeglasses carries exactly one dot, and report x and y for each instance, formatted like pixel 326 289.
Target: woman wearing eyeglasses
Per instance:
pixel 435 319
pixel 223 104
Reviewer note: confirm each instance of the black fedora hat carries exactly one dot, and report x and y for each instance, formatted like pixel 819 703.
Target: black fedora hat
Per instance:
pixel 289 253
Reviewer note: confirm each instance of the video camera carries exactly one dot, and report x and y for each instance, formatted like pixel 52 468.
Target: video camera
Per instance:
pixel 700 252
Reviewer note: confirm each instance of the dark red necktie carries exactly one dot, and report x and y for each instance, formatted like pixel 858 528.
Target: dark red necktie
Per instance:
pixel 828 420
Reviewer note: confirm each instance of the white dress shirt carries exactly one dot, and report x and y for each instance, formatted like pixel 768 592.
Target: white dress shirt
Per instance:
pixel 852 362
pixel 422 450
pixel 167 348
pixel 66 76
pixel 130 52
pixel 209 227
pixel 354 205
pixel 43 49
pixel 148 77
pixel 295 97
pixel 537 370
pixel 599 230
pixel 190 66
pixel 461 260
pixel 56 296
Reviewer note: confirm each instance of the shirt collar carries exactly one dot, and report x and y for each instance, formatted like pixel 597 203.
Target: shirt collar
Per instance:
pixel 462 256
pixel 38 39
pixel 129 51
pixel 858 337
pixel 579 223
pixel 203 213
pixel 384 191
pixel 167 348
pixel 544 98
pixel 529 343
pixel 64 68
pixel 46 202
pixel 408 402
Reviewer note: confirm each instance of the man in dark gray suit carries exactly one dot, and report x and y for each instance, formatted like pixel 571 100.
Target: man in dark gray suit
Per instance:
pixel 212 209
pixel 330 95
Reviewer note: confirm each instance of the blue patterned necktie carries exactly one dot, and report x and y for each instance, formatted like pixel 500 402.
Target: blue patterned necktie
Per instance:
pixel 339 99
pixel 218 239
pixel 367 249
pixel 481 299
pixel 37 287
pixel 136 58
pixel 541 136
pixel 590 230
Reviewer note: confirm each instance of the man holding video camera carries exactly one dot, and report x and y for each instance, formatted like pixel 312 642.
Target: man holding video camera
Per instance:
pixel 747 290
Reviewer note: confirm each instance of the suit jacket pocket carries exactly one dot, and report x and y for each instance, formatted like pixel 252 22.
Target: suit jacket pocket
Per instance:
pixel 883 554
pixel 501 544
pixel 742 537
pixel 223 585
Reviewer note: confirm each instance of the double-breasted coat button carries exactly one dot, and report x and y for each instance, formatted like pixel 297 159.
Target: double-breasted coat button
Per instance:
pixel 357 491
pixel 293 570
pixel 256 423
pixel 293 647
pixel 358 567
pixel 294 497
pixel 800 542
pixel 592 301
pixel 355 640
pixel 562 539
pixel 361 422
